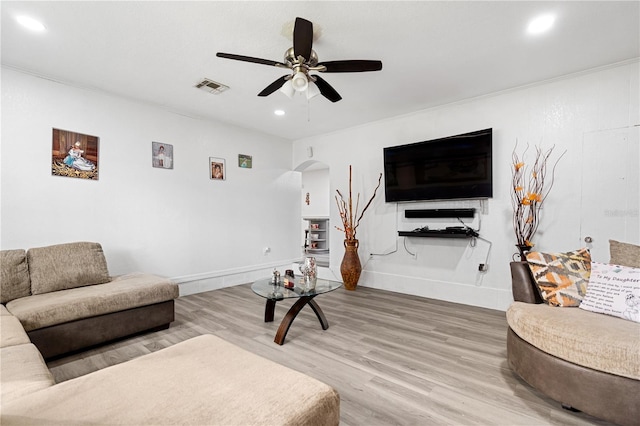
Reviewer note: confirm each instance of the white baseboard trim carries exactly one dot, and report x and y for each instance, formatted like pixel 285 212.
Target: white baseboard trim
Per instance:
pixel 213 280
pixel 466 294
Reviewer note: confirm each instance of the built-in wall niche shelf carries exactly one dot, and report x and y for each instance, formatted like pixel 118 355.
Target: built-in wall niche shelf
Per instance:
pixel 316 236
pixel 446 232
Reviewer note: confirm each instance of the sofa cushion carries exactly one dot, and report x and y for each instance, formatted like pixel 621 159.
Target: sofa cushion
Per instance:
pixel 23 372
pixel 14 275
pixel 201 381
pixel 561 277
pixel 124 292
pixel 11 332
pixel 64 266
pixel 613 290
pixel 624 254
pixel 600 342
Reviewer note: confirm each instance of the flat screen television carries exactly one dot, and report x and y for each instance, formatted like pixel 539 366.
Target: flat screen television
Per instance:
pixel 455 167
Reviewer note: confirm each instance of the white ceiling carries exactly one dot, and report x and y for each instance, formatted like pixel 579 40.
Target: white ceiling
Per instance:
pixel 433 53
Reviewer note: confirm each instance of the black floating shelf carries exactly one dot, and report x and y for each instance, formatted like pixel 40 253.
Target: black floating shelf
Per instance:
pixel 437 234
pixel 439 213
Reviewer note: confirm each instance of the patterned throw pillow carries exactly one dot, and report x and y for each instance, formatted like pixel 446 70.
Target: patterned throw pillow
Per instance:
pixel 613 290
pixel 561 278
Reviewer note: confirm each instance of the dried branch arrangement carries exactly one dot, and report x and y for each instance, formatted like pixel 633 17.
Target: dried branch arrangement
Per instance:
pixel 529 189
pixel 348 213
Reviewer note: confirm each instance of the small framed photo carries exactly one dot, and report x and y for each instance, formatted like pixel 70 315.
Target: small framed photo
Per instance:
pixel 217 168
pixel 244 161
pixel 162 155
pixel 74 155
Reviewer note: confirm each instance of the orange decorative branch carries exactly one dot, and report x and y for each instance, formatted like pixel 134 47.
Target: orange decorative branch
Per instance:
pixel 528 192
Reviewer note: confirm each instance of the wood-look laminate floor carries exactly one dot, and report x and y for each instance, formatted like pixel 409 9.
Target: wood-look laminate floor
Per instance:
pixel 395 359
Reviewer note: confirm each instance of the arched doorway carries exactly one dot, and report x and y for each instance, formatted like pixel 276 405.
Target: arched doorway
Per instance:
pixel 315 210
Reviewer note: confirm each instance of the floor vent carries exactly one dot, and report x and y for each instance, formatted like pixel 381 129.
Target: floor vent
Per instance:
pixel 211 86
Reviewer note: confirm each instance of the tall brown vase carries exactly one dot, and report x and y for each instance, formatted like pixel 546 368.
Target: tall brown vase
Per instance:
pixel 350 268
pixel 523 250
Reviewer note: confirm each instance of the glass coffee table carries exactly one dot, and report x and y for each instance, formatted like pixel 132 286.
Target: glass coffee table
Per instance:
pixel 273 293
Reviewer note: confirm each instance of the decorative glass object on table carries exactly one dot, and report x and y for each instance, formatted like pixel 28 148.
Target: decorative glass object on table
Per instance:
pixel 276 294
pixel 289 280
pixel 309 271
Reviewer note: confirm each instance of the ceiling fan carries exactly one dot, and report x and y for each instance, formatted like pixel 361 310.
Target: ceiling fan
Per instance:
pixel 302 59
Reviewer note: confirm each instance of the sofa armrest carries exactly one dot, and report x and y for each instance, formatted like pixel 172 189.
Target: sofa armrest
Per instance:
pixel 523 286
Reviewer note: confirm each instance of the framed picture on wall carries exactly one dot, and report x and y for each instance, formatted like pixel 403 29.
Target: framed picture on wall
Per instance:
pixel 162 155
pixel 244 161
pixel 74 154
pixel 217 168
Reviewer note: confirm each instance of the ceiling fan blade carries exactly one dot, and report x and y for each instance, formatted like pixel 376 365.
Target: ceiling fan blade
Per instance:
pixel 352 66
pixel 326 90
pixel 273 86
pixel 249 59
pixel 302 38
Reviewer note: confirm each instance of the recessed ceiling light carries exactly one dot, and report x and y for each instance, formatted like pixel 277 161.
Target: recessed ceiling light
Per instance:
pixel 30 23
pixel 278 112
pixel 541 24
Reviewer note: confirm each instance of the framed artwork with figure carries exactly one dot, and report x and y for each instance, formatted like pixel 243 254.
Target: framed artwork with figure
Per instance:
pixel 245 161
pixel 217 168
pixel 162 155
pixel 74 155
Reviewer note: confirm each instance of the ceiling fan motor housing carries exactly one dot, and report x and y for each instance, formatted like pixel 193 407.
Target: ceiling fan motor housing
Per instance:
pixel 290 58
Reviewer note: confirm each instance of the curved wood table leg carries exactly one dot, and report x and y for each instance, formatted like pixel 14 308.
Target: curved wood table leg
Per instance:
pixel 289 317
pixel 269 310
pixel 323 320
pixel 293 313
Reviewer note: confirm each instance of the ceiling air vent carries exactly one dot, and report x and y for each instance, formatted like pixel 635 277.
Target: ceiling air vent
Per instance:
pixel 211 86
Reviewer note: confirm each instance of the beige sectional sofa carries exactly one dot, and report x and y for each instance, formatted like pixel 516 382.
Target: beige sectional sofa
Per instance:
pixel 201 381
pixel 22 368
pixel 66 300
pixel 587 361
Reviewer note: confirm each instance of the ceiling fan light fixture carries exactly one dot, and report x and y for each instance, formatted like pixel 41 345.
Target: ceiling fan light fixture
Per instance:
pixel 312 90
pixel 288 90
pixel 299 82
pixel 302 59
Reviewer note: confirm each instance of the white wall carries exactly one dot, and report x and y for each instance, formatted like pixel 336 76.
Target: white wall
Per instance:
pixel 315 183
pixel 177 223
pixel 559 112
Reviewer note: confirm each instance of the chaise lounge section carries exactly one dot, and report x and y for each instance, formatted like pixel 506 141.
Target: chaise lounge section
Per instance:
pixel 202 381
pixel 66 300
